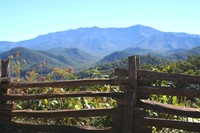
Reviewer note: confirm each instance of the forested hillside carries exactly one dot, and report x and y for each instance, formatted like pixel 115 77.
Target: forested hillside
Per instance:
pixel 184 54
pixel 172 55
pixel 118 55
pixel 79 60
pixel 46 60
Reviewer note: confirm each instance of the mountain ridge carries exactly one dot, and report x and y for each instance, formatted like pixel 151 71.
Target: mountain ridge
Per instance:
pixel 183 55
pixel 52 58
pixel 176 54
pixel 122 54
pixel 104 41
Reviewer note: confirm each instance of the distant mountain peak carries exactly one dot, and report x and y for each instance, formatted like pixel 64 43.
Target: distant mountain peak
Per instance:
pixel 139 26
pixel 104 41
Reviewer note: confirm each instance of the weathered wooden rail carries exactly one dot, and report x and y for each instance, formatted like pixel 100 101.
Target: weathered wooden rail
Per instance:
pixel 128 117
pixel 142 86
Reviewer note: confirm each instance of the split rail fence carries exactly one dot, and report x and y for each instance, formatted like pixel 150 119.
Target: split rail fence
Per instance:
pixel 128 116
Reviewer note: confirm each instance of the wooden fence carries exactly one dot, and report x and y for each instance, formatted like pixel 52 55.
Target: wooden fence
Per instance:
pixel 128 116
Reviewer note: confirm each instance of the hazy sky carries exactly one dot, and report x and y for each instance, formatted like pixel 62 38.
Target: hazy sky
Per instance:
pixel 26 19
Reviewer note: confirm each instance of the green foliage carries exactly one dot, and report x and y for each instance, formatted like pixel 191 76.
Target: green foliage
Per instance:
pixel 75 103
pixel 190 66
pixel 107 69
pixel 69 103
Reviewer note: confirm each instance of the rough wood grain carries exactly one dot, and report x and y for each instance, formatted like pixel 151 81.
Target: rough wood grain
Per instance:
pixel 67 83
pixel 63 113
pixel 5 73
pixel 7 106
pixel 5 66
pixel 160 76
pixel 169 91
pixel 5 79
pixel 27 127
pixel 188 126
pixel 121 72
pixel 138 66
pixel 170 109
pixel 58 95
pixel 168 76
pixel 131 96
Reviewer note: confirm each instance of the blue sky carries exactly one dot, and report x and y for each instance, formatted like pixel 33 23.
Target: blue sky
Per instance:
pixel 26 19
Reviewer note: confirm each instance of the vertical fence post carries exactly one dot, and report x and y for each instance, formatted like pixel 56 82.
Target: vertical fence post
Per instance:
pixel 138 63
pixel 5 66
pixel 5 73
pixel 118 119
pixel 131 96
pixel 5 79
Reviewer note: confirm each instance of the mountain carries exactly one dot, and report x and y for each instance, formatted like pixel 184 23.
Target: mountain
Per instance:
pixel 107 69
pixel 175 54
pixel 73 56
pixel 173 51
pixel 5 45
pixel 184 54
pixel 52 58
pixel 118 55
pixel 104 41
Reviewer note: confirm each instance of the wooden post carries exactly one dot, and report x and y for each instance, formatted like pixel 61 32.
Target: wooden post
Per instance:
pixel 138 63
pixel 131 96
pixel 118 120
pixel 5 65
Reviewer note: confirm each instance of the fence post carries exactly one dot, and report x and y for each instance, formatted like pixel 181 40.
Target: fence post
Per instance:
pixel 5 79
pixel 131 96
pixel 138 66
pixel 117 126
pixel 5 73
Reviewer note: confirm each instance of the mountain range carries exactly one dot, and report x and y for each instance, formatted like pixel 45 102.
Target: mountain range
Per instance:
pixel 182 55
pixel 79 60
pixel 178 54
pixel 118 55
pixel 103 41
pixel 58 57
